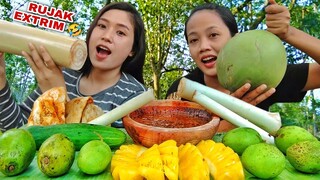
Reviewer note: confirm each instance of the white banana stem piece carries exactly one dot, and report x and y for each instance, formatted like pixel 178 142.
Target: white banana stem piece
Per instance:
pixel 227 114
pixel 65 51
pixel 124 109
pixel 267 121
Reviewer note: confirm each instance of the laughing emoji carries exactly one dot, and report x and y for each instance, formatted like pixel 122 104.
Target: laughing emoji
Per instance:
pixel 74 30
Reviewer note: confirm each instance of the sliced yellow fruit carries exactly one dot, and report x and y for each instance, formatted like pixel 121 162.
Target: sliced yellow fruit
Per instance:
pixel 223 162
pixel 150 164
pixel 124 164
pixel 192 164
pixel 170 160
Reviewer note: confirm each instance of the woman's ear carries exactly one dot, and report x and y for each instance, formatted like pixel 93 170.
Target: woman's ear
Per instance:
pixel 131 54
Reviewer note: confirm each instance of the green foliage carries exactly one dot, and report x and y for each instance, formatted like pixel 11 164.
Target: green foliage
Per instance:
pixel 304 16
pixel 305 114
pixel 84 10
pixel 289 113
pixel 5 9
pixel 19 76
pixel 163 22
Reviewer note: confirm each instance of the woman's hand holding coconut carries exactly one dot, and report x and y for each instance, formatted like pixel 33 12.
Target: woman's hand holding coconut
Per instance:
pixel 255 96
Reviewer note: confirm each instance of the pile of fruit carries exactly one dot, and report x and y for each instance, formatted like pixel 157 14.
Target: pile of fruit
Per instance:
pixel 168 161
pixel 266 161
pixel 57 146
pixel 241 150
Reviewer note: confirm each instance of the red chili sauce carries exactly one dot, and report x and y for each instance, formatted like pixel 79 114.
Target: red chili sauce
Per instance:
pixel 171 117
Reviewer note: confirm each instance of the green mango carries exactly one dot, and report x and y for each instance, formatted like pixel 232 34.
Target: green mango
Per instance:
pixel 17 150
pixel 56 155
pixel 304 156
pixel 240 138
pixel 289 135
pixel 263 160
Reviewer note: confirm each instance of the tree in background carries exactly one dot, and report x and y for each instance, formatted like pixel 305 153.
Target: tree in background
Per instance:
pixel 164 22
pixel 19 75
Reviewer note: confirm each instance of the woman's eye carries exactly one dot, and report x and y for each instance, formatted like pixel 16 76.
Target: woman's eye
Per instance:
pixel 192 41
pixel 101 25
pixel 213 34
pixel 121 33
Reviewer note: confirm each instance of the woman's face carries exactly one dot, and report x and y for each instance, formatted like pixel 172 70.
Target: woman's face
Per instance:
pixel 206 34
pixel 111 40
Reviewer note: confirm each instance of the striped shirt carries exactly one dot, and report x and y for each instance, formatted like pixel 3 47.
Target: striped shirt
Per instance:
pixel 16 115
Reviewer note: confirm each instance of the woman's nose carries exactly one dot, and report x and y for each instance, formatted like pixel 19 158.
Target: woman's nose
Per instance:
pixel 107 36
pixel 204 45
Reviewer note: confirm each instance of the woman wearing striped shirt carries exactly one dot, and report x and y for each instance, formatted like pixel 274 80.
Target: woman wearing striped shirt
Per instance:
pixel 112 73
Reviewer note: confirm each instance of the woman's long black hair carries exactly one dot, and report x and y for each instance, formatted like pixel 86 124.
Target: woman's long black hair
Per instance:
pixel 225 14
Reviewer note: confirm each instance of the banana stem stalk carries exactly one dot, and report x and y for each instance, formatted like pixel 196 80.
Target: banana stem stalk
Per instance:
pixel 65 51
pixel 267 121
pixel 124 109
pixel 227 114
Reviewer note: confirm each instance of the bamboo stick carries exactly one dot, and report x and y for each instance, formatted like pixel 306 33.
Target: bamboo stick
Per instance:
pixel 65 51
pixel 269 122
pixel 227 114
pixel 124 109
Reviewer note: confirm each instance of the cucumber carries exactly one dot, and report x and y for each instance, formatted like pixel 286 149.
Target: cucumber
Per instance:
pixel 79 133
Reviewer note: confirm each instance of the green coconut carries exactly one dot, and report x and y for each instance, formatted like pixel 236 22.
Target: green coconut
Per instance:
pixel 256 57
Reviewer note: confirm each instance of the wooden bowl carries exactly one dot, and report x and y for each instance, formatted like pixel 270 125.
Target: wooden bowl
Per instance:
pixel 161 120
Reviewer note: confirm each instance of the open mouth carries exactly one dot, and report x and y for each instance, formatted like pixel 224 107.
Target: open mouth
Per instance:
pixel 209 59
pixel 103 50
